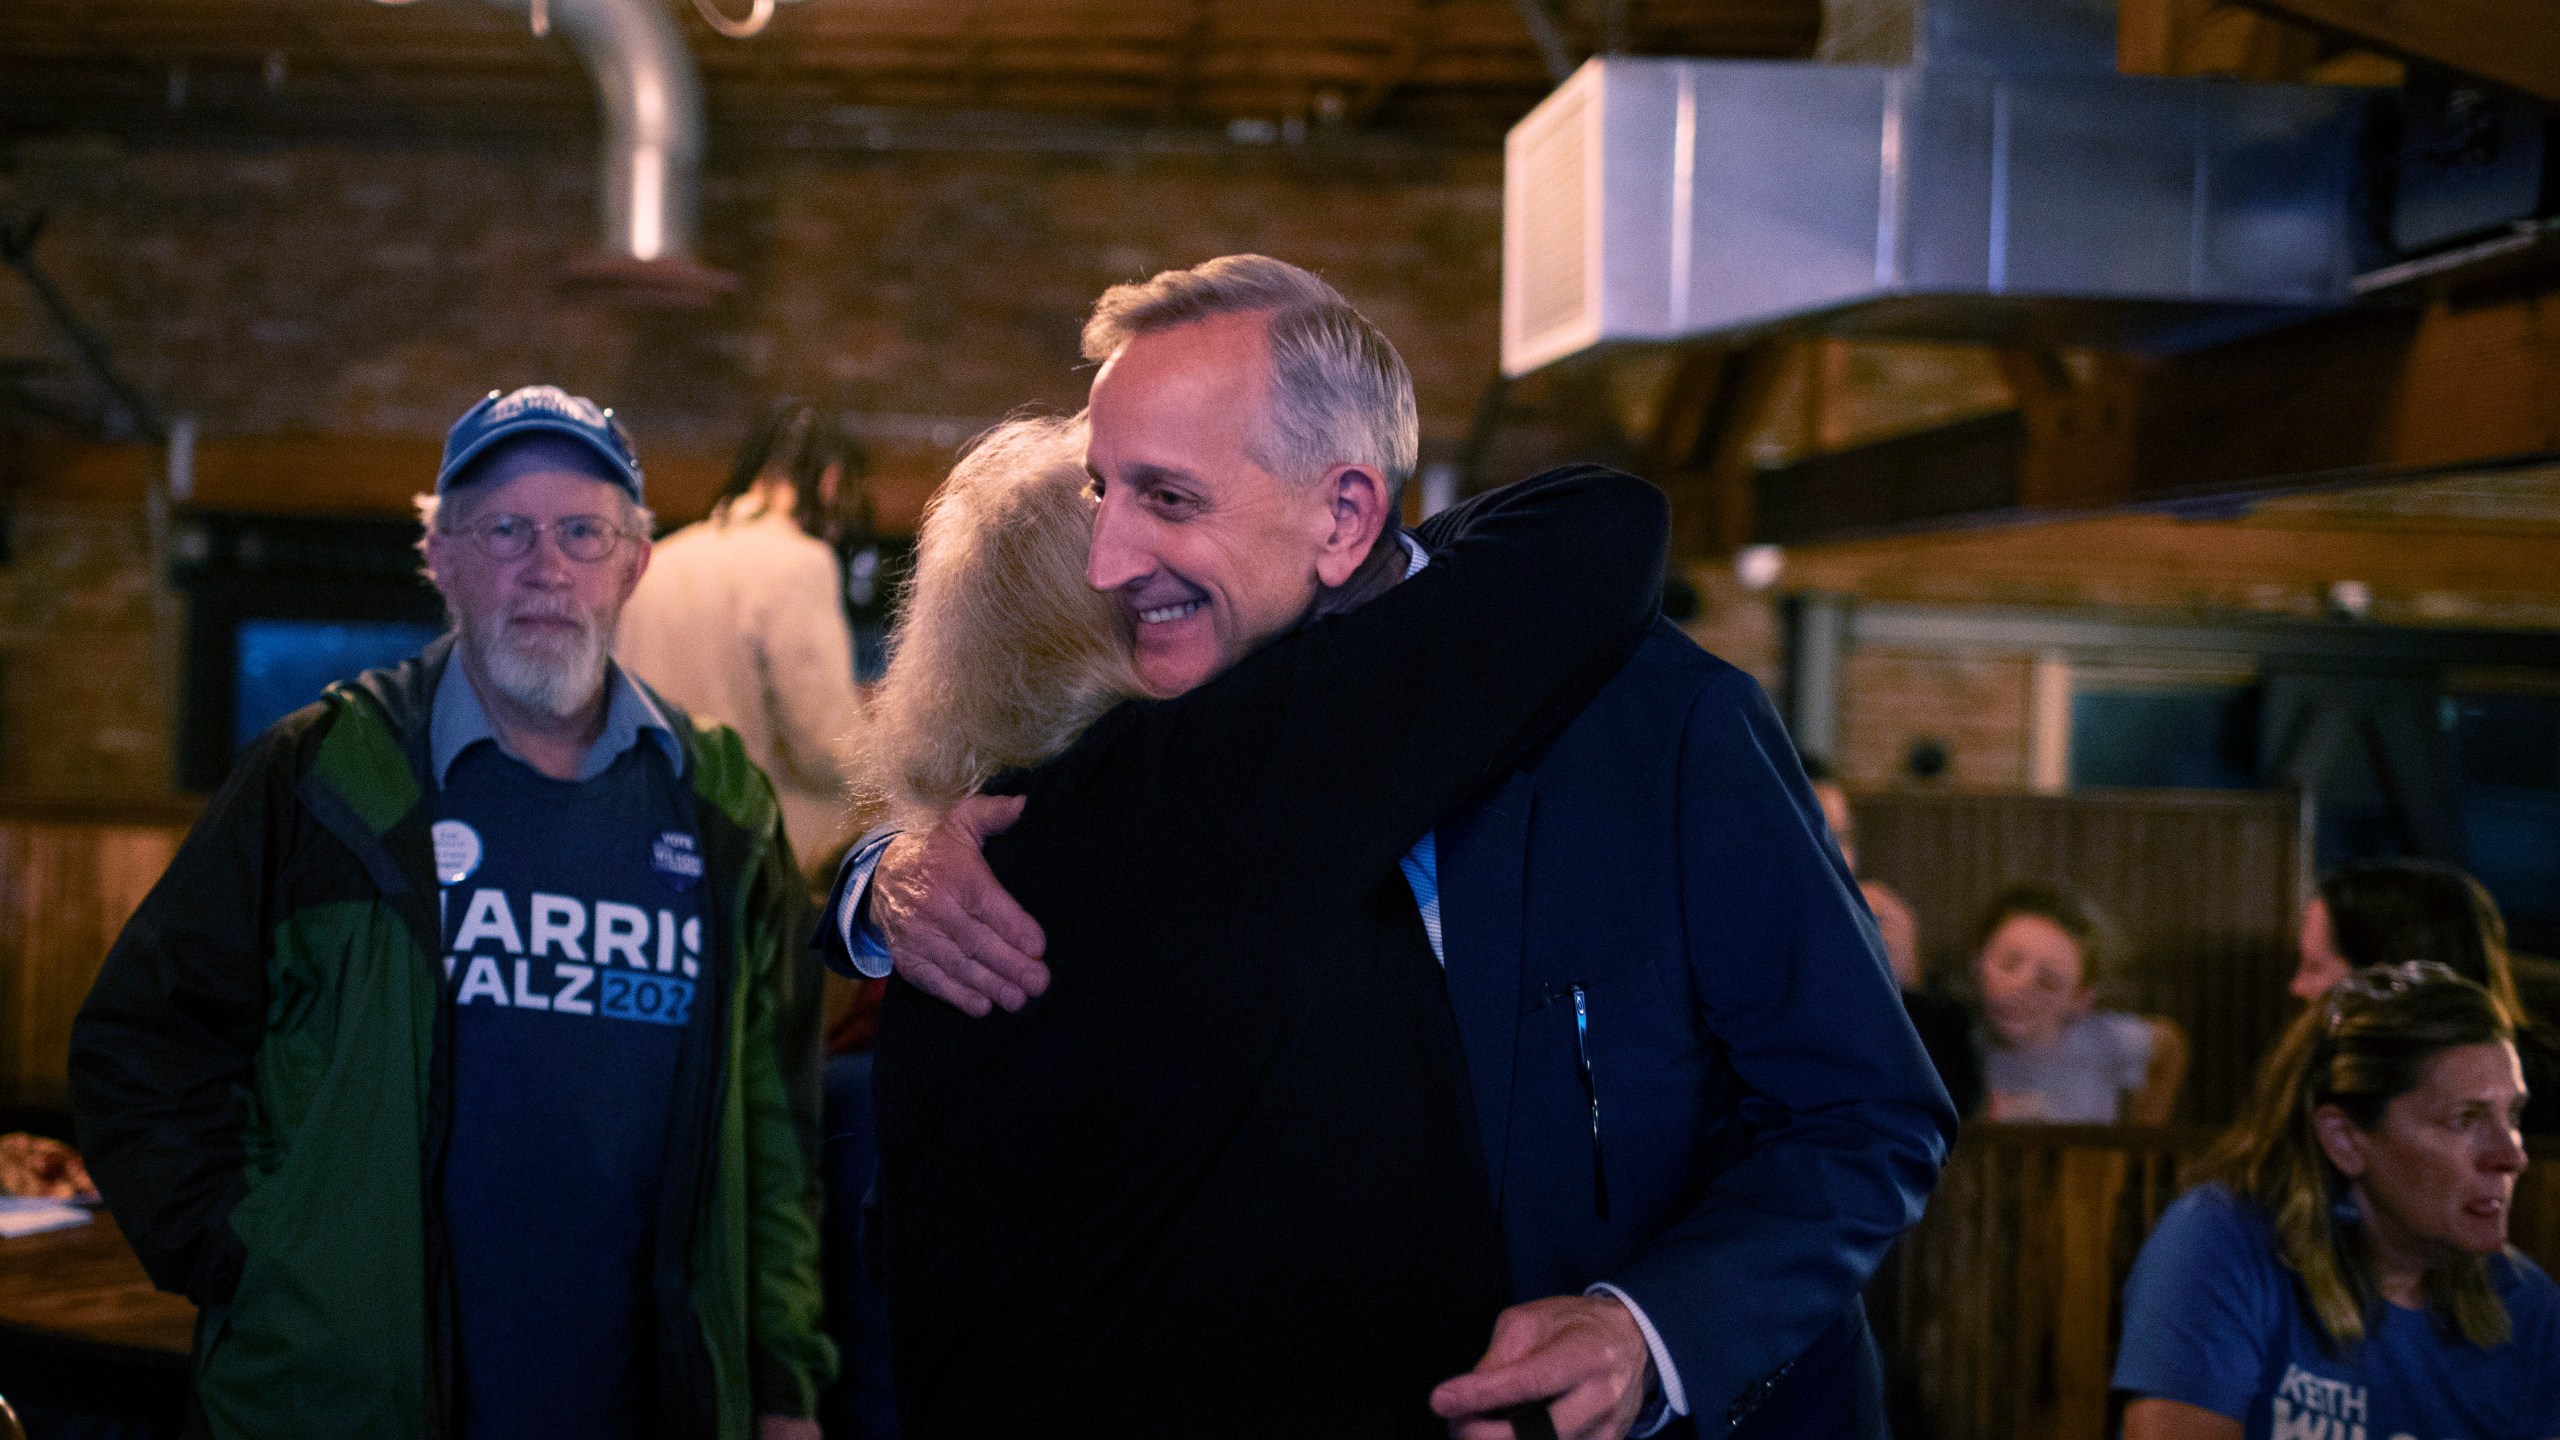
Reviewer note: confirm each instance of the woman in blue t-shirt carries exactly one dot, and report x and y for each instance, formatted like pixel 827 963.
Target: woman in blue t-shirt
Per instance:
pixel 2343 1274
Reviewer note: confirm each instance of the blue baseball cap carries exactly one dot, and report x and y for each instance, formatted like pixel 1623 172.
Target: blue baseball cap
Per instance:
pixel 539 410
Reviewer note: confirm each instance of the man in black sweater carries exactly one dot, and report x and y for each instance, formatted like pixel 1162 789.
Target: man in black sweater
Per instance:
pixel 1701 1109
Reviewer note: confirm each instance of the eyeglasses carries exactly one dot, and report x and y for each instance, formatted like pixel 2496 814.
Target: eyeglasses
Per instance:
pixel 2381 982
pixel 511 537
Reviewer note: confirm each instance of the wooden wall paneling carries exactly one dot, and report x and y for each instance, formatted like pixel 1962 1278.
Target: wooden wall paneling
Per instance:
pixel 2088 1185
pixel 67 886
pixel 2204 888
pixel 2533 1222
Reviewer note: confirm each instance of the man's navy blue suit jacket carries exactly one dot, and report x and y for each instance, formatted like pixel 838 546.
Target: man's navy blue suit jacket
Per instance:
pixel 1769 1119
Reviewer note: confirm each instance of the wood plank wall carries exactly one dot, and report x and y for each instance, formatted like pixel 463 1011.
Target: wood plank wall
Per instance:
pixel 2205 887
pixel 2001 1312
pixel 69 879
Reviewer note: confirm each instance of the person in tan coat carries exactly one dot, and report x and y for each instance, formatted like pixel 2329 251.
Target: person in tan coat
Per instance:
pixel 741 619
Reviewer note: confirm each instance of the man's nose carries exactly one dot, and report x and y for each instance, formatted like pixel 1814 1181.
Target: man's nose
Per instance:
pixel 1116 559
pixel 546 566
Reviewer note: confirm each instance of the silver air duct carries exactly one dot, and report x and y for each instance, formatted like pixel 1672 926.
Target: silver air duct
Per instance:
pixel 649 97
pixel 1970 170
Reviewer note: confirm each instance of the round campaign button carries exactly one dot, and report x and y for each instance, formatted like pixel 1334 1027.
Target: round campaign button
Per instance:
pixel 457 851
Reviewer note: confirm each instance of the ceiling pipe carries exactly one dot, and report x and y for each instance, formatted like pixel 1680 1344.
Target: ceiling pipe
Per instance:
pixel 649 98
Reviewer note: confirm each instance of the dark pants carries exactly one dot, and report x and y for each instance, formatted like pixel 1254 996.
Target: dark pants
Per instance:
pixel 858 1406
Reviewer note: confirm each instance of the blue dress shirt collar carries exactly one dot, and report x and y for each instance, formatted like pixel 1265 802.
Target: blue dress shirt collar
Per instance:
pixel 458 721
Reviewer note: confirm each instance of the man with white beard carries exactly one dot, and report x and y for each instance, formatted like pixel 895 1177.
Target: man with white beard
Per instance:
pixel 463 1066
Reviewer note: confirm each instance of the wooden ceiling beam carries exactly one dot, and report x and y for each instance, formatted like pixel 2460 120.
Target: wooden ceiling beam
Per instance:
pixel 2080 451
pixel 1450 65
pixel 2350 399
pixel 77 19
pixel 1701 446
pixel 1413 40
pixel 1190 49
pixel 2459 383
pixel 2155 560
pixel 2211 37
pixel 2514 43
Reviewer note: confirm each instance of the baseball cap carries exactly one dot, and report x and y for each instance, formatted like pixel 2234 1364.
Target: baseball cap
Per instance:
pixel 539 410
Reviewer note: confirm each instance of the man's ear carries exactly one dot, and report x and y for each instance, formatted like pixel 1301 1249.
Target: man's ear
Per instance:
pixel 432 553
pixel 2340 1140
pixel 1355 499
pixel 639 565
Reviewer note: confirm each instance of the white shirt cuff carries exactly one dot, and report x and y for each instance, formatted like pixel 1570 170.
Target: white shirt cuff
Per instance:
pixel 1675 1401
pixel 863 942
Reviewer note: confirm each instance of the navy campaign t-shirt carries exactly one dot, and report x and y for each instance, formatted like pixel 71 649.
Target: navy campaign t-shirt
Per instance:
pixel 573 940
pixel 2214 1319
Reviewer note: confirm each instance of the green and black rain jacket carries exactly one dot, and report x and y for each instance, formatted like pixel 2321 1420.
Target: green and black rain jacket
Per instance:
pixel 263 1081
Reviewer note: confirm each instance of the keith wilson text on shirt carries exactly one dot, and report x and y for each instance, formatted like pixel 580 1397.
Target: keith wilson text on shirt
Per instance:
pixel 2312 1407
pixel 573 957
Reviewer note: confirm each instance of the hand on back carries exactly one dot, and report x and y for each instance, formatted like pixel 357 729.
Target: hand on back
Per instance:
pixel 952 930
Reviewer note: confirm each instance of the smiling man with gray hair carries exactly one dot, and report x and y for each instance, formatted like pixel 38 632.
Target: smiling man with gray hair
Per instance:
pixel 462 1067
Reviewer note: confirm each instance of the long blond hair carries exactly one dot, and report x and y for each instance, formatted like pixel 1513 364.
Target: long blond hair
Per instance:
pixel 1003 654
pixel 2363 1045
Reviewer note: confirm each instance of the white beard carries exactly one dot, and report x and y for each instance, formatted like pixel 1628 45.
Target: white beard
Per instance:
pixel 553 677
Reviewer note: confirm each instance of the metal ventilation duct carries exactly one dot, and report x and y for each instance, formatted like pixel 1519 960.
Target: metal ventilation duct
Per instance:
pixel 649 98
pixel 1998 181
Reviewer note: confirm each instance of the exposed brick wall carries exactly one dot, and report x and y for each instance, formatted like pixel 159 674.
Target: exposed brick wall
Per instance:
pixel 378 291
pixel 1975 706
pixel 371 291
pixel 85 691
pixel 1739 626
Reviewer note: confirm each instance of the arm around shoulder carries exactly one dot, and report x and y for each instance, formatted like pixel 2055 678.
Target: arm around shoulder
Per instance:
pixel 1370 726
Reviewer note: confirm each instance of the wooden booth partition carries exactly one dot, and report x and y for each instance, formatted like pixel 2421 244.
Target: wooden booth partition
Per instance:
pixel 70 876
pixel 1999 1313
pixel 2205 886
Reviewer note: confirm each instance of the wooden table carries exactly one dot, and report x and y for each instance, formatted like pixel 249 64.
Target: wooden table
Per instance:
pixel 83 1285
pixel 84 1337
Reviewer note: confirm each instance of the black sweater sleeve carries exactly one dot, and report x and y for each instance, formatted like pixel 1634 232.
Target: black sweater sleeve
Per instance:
pixel 1332 750
pixel 162 1049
